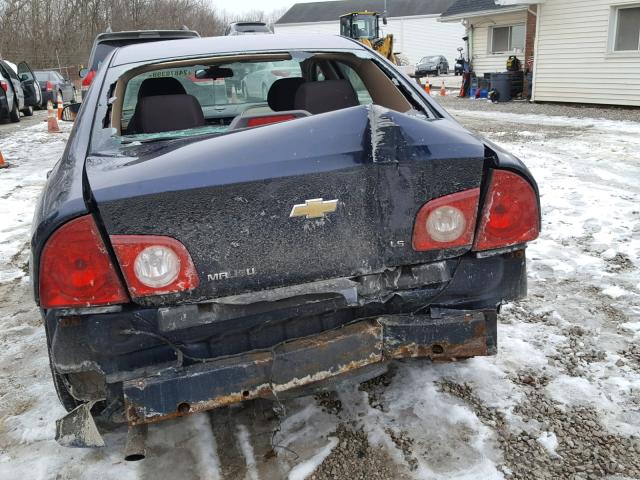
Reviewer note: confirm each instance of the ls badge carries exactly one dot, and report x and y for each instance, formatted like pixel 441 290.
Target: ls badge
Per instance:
pixel 315 208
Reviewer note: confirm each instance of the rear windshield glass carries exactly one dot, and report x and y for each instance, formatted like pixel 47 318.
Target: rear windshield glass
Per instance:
pixel 224 92
pixel 205 97
pixel 42 76
pixel 251 27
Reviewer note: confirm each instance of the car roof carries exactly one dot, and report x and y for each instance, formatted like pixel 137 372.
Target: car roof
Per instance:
pixel 194 47
pixel 247 23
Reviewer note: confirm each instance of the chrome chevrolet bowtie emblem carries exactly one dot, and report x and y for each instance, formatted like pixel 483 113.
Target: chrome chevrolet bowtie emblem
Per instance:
pixel 315 208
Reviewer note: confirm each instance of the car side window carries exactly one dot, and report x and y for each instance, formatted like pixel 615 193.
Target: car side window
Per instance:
pixel 9 71
pixel 358 85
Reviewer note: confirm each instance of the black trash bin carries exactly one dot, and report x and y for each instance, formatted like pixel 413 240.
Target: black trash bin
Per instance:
pixel 517 83
pixel 501 82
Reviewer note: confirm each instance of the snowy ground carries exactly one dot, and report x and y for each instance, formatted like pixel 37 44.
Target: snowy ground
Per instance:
pixel 560 400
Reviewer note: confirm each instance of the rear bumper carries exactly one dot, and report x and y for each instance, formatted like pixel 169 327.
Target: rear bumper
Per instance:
pixel 165 393
pixel 151 359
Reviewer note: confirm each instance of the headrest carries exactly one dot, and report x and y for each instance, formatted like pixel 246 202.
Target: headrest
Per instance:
pixel 151 87
pixel 282 93
pixel 325 96
pixel 163 113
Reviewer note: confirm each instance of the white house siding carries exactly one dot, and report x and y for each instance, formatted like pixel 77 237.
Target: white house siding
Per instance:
pixel 330 28
pixel 483 60
pixel 415 37
pixel 573 63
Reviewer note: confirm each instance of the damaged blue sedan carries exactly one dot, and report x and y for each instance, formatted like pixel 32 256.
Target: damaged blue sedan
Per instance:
pixel 202 243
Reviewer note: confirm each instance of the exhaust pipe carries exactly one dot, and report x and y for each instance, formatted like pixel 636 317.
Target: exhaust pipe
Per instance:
pixel 135 449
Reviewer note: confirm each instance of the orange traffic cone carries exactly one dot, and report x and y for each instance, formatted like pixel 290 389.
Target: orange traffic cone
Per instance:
pixel 427 87
pixel 443 90
pixel 52 123
pixel 3 164
pixel 59 106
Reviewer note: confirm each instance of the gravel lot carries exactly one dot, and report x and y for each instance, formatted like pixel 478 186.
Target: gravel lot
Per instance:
pixel 561 400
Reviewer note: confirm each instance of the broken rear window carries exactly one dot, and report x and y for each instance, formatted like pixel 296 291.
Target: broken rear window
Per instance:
pixel 178 99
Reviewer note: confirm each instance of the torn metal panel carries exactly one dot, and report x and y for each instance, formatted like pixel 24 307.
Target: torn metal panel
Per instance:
pixel 415 276
pixel 78 429
pixel 386 136
pixel 261 312
pixel 344 286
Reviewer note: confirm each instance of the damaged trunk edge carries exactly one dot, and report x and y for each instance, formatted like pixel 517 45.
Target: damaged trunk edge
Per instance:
pixel 380 166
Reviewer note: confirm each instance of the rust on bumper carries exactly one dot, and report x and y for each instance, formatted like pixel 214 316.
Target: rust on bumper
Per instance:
pixel 309 361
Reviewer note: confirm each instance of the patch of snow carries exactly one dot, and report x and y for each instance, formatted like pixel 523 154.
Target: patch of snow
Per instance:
pixel 631 326
pixel 614 291
pixel 247 451
pixel 549 441
pixel 205 447
pixel 306 468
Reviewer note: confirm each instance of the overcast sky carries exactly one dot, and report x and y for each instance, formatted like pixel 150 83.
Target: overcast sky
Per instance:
pixel 239 6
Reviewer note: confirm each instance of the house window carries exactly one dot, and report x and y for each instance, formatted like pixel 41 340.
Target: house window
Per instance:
pixel 507 39
pixel 627 32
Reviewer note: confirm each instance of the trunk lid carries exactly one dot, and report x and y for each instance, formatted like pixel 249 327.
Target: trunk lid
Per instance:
pixel 230 199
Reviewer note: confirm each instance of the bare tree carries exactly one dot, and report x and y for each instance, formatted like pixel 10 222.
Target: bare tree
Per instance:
pixel 48 32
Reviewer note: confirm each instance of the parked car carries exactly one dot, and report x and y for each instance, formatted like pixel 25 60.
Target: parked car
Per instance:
pixel 256 84
pixel 247 28
pixel 21 90
pixel 106 42
pixel 432 65
pixel 191 252
pixel 53 83
pixel 10 103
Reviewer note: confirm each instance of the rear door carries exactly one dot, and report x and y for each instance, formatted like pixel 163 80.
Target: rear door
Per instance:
pixel 30 86
pixel 14 85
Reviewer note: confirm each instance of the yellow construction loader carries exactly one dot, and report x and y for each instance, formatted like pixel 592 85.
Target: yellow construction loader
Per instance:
pixel 365 27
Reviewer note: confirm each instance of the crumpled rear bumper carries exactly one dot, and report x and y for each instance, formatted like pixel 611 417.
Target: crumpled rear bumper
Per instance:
pixel 175 391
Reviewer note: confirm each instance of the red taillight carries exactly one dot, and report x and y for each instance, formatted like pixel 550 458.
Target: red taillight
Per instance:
pixel 258 121
pixel 49 86
pixel 4 85
pixel 86 81
pixel 154 265
pixel 510 215
pixel 447 222
pixel 75 268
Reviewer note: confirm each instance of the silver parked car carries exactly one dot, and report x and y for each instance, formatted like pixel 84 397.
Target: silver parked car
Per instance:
pixel 19 90
pixel 256 84
pixel 247 28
